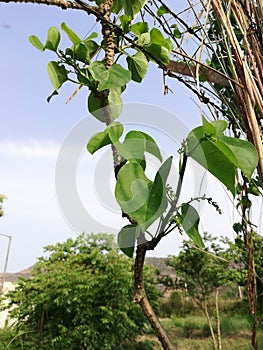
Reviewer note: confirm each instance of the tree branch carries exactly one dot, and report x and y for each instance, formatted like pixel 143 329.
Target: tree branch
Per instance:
pixel 140 296
pixel 64 4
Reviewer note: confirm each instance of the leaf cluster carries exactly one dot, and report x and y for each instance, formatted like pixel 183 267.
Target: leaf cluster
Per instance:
pixel 79 297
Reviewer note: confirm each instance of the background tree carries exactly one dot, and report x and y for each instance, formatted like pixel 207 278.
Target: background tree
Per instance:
pixel 200 274
pixel 79 297
pixel 2 198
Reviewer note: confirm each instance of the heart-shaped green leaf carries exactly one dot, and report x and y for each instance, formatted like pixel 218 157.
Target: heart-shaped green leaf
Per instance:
pixel 135 144
pixel 208 128
pixel 114 77
pixel 115 104
pixel 111 134
pixel 161 11
pixel 220 154
pixel 127 238
pixel 132 7
pixel 142 199
pixel 53 39
pixel 115 131
pixel 97 141
pixel 57 74
pixel 190 221
pixel 138 65
pixel 139 28
pixel 81 53
pixel 158 46
pixel 132 190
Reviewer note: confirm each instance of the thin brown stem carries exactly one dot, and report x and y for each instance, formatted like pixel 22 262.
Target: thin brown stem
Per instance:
pixel 140 296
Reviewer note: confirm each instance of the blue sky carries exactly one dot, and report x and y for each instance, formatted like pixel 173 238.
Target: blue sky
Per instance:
pixel 32 132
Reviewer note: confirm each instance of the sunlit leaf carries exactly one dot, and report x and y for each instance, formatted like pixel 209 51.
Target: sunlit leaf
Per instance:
pixel 73 37
pixel 142 199
pixel 53 39
pixel 97 141
pixel 221 155
pixel 126 239
pixel 114 77
pixel 132 7
pixel 140 28
pixel 36 43
pixel 138 65
pixel 57 74
pixel 190 221
pixel 161 11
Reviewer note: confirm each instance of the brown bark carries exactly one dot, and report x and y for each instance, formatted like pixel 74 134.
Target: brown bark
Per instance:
pixel 64 4
pixel 219 340
pixel 140 296
pixel 190 69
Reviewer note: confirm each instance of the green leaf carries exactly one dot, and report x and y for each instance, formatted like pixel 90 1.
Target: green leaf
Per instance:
pixel 157 37
pixel 207 154
pixel 110 135
pixel 53 39
pixel 144 39
pixel 208 128
pixel 152 147
pixel 242 154
pixel 135 144
pixel 93 35
pixel 132 191
pixel 161 11
pixel 190 221
pixel 142 199
pixel 157 203
pixel 115 103
pixel 114 77
pixel 84 77
pixel 57 74
pixel 54 93
pixel 98 70
pixel 220 154
pixel 127 238
pixel 237 227
pixel 125 23
pixel 140 28
pixel 115 131
pixel 81 53
pixel 92 47
pixel 176 32
pixel 97 141
pixel 132 7
pixel 158 46
pixel 159 52
pixel 73 37
pixel 220 126
pixel 36 42
pixel 117 6
pixel 94 107
pixel 138 65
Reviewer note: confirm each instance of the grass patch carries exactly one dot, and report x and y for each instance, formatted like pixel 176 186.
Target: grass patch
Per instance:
pixel 192 333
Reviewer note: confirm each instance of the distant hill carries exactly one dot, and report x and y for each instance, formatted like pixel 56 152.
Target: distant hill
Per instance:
pixel 159 264
pixel 13 277
pixel 156 263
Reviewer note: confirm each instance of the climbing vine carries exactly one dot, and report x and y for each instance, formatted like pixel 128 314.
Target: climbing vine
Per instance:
pixel 129 45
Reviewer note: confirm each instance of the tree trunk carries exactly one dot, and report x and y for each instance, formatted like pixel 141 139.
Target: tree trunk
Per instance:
pixel 219 340
pixel 209 324
pixel 140 296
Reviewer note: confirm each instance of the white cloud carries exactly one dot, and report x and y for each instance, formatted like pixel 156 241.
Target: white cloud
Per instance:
pixel 29 148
